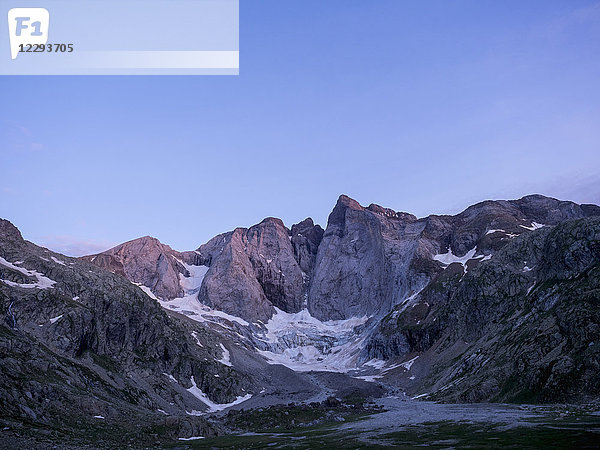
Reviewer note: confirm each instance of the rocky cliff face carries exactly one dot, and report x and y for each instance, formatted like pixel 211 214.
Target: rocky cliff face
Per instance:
pixel 362 261
pixel 373 258
pixel 368 260
pixel 306 238
pixel 541 294
pixel 520 326
pixel 253 270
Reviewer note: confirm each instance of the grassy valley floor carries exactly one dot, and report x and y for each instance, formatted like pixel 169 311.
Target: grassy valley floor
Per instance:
pixel 407 424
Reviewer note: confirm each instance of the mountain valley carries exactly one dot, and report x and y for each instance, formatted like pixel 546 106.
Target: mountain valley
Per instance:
pixel 500 303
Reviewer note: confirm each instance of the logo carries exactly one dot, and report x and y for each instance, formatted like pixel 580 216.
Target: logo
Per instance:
pixel 27 27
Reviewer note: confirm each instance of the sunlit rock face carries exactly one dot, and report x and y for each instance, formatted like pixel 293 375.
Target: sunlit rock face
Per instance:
pixel 148 262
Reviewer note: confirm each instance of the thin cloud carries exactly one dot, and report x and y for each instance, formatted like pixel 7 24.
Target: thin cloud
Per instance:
pixel 16 136
pixel 70 246
pixel 577 188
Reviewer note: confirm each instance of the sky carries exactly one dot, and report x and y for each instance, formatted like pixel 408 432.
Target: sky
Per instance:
pixel 420 106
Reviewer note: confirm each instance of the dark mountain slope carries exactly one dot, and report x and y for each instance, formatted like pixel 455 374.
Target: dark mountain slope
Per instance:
pixel 78 342
pixel 521 326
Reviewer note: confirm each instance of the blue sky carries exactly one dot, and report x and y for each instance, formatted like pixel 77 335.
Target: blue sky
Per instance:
pixel 424 107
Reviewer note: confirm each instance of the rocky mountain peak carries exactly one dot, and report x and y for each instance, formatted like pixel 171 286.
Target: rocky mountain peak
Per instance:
pixel 144 243
pixel 275 221
pixel 343 204
pixel 551 211
pixel 302 225
pixel 390 213
pixel 348 202
pixel 254 269
pixel 380 254
pixel 146 261
pixel 306 237
pixel 9 230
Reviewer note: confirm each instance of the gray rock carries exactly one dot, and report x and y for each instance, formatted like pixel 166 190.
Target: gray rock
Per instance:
pixel 504 333
pixel 306 237
pixel 373 258
pixel 252 270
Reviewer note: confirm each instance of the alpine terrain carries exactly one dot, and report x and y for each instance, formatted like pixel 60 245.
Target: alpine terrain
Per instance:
pixel 277 327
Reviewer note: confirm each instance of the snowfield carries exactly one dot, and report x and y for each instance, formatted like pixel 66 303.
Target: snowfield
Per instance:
pixel 303 343
pixel 43 282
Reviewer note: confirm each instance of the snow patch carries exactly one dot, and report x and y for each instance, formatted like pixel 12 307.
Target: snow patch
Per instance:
pixel 408 364
pixel 226 356
pixel 193 438
pixel 212 406
pixel 146 290
pixel 54 319
pixel 369 378
pixel 58 261
pixel 191 307
pixel 392 367
pixel 404 304
pixel 43 282
pixel 170 377
pixel 530 288
pixel 419 396
pixel 191 284
pixel 533 226
pixel 494 231
pixel 449 258
pixel 195 336
pixel 303 343
pixel 98 417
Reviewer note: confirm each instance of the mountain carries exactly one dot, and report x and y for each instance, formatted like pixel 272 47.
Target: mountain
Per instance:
pixel 250 271
pixel 253 270
pixel 521 326
pixel 79 343
pixel 397 284
pixel 86 353
pixel 497 303
pixel 373 258
pixel 149 262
